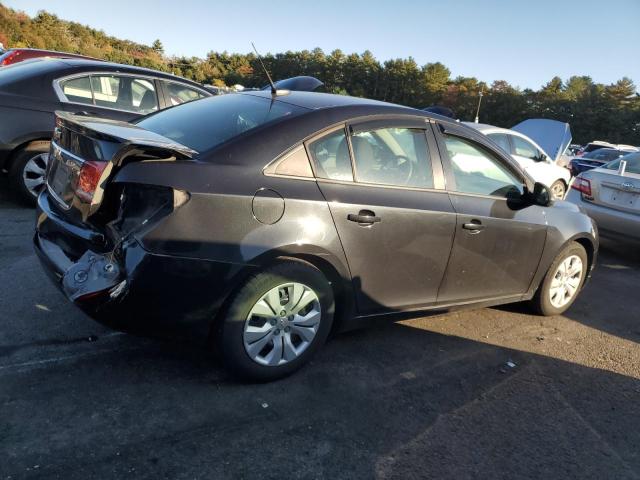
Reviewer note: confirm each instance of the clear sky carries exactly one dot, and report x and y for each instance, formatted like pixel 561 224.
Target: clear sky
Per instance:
pixel 525 42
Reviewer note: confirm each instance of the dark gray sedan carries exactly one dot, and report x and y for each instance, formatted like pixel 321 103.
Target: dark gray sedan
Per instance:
pixel 262 222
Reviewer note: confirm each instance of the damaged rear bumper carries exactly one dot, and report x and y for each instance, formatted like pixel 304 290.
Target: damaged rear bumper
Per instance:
pixel 127 287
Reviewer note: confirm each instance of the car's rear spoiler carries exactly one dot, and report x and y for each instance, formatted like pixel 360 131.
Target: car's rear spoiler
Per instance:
pixel 120 132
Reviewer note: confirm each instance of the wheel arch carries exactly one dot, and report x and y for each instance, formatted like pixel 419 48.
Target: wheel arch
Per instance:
pixel 336 274
pixel 11 157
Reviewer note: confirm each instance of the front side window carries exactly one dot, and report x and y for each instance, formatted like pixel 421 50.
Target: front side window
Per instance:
pixel 331 156
pixel 124 93
pixel 478 171
pixel 522 148
pixel 181 93
pixel 78 90
pixel 392 156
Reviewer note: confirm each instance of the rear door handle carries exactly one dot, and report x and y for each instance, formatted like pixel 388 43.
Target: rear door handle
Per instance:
pixel 474 226
pixel 364 217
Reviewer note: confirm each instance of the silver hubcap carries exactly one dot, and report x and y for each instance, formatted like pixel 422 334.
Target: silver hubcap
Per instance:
pixel 565 281
pixel 282 324
pixel 34 173
pixel 557 191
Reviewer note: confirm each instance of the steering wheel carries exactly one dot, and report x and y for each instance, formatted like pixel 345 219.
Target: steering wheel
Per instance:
pixel 400 168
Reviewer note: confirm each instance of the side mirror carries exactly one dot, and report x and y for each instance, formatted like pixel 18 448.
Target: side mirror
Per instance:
pixel 541 158
pixel 541 195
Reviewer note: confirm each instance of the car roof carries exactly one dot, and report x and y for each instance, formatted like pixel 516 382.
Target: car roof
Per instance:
pixel 316 100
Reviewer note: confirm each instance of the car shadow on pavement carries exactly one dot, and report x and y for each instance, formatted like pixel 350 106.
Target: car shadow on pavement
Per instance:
pixel 396 401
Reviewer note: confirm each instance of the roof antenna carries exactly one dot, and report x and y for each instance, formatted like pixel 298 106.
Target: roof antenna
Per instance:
pixel 274 91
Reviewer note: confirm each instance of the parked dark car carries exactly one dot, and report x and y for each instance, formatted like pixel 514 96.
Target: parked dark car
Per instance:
pixel 16 55
pixel 594 159
pixel 31 91
pixel 263 222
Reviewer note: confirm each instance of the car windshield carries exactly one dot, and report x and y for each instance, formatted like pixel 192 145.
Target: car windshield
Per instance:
pixel 206 123
pixel 604 154
pixel 633 163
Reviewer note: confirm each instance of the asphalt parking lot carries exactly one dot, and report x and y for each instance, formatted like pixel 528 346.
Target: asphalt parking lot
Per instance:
pixel 491 393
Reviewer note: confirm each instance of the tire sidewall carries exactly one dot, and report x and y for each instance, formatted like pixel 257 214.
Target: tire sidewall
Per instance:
pixel 230 329
pixel 543 297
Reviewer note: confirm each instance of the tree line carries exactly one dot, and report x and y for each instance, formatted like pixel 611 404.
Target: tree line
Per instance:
pixel 594 110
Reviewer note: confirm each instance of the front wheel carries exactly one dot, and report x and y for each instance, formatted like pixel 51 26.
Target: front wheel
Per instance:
pixel 558 190
pixel 276 321
pixel 563 281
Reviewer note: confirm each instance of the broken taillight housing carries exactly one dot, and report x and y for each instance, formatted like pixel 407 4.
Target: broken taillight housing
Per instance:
pixel 583 185
pixel 89 179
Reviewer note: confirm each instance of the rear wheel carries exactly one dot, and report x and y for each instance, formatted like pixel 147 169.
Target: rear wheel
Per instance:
pixel 27 172
pixel 558 190
pixel 276 321
pixel 563 281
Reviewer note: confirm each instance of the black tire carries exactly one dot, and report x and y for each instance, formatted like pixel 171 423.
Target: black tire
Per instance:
pixel 230 326
pixel 18 165
pixel 541 302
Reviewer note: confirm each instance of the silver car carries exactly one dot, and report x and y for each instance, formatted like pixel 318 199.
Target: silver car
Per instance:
pixel 612 199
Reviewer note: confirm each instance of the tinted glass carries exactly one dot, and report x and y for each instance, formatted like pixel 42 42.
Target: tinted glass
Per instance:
pixel 477 171
pixel 523 148
pixel 210 122
pixel 77 90
pixel 331 156
pixel 603 154
pixel 295 163
pixel 181 94
pixel 392 156
pixel 124 93
pixel 633 163
pixel 502 140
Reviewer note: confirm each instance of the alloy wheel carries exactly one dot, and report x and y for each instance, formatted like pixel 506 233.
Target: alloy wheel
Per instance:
pixel 282 324
pixel 33 174
pixel 566 281
pixel 558 190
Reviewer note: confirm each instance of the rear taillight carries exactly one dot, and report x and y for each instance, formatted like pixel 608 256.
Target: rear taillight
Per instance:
pixel 582 185
pixel 89 178
pixel 11 57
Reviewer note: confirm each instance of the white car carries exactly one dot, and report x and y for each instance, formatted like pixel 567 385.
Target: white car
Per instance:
pixel 530 155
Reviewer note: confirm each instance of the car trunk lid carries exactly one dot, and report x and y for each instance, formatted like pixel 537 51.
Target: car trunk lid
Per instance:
pixel 620 192
pixel 86 152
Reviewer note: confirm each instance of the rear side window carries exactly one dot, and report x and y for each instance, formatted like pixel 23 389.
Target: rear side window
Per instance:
pixel 214 120
pixel 392 156
pixel 502 140
pixel 331 157
pixel 178 93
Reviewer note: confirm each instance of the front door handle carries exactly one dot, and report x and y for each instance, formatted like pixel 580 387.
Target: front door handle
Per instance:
pixel 475 226
pixel 364 217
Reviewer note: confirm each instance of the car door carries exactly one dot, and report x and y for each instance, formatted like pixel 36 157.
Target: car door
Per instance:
pixel 498 239
pixel 115 96
pixel 384 186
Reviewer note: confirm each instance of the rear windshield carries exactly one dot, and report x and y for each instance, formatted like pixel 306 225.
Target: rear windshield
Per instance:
pixel 633 163
pixel 206 123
